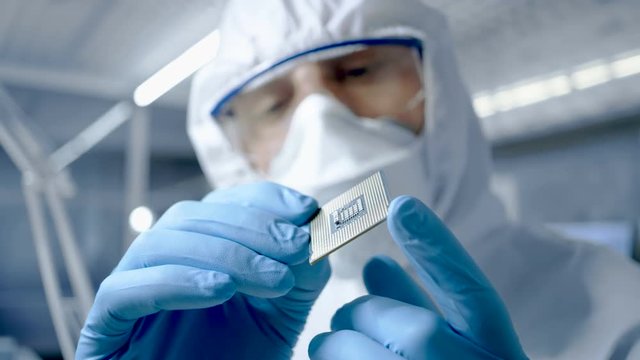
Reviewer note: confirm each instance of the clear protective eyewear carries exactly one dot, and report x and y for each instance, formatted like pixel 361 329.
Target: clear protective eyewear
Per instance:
pixel 379 78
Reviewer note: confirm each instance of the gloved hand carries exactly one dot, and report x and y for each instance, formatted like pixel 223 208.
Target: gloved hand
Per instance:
pixel 226 277
pixel 400 322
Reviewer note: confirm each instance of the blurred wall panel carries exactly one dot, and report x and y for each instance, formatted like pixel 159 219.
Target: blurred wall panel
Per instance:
pixel 582 175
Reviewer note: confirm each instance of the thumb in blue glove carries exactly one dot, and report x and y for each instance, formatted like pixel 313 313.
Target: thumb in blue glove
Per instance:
pixel 463 316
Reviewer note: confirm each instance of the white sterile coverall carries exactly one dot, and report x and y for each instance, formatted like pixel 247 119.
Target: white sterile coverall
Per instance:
pixel 567 299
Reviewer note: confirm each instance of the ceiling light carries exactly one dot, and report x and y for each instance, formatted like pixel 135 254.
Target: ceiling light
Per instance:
pixel 504 100
pixel 528 92
pixel 179 69
pixel 558 85
pixel 590 75
pixel 483 104
pixel 626 66
pixel 141 219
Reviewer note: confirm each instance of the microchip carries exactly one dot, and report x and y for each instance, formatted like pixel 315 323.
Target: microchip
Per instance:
pixel 348 216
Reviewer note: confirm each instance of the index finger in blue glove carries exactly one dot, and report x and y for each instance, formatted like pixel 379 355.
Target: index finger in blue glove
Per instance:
pixel 464 295
pixel 262 231
pixel 280 200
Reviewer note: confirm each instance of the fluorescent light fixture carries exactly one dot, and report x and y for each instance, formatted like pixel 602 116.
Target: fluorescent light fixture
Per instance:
pixel 590 75
pixel 141 219
pixel 529 92
pixel 558 85
pixel 626 66
pixel 483 103
pixel 504 100
pixel 522 94
pixel 179 69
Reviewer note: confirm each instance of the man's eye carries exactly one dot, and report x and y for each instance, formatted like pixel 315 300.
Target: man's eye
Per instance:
pixel 276 106
pixel 356 72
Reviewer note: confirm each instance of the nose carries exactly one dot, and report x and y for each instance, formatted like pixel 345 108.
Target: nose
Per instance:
pixel 310 78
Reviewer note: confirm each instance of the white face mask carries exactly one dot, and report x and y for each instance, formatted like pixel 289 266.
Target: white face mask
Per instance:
pixel 329 149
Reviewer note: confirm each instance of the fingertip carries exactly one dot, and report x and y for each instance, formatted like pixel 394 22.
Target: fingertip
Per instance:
pixel 290 195
pixel 287 202
pixel 383 276
pixel 295 195
pixel 266 195
pixel 316 342
pixel 379 267
pixel 348 344
pixel 342 319
pixel 409 215
pixel 306 205
pixel 402 203
pixel 400 208
pixel 379 263
pixel 324 270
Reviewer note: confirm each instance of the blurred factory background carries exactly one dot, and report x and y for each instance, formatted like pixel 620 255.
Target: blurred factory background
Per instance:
pixel 557 84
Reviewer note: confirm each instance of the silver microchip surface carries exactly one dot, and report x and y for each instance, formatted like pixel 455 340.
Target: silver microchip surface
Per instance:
pixel 348 216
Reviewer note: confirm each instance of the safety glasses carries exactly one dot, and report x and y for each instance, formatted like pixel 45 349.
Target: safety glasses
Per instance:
pixel 374 78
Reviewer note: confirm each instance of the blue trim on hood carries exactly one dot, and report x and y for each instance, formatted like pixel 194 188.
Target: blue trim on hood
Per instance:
pixel 406 41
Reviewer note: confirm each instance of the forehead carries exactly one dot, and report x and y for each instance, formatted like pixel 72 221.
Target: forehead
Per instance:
pixel 371 52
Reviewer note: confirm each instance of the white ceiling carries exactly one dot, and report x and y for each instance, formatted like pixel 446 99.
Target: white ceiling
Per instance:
pixel 105 48
pixel 97 47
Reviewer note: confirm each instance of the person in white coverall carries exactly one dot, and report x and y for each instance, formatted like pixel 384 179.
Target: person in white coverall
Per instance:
pixel 305 99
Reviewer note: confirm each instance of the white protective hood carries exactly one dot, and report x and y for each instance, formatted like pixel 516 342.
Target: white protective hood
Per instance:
pixel 253 40
pixel 567 300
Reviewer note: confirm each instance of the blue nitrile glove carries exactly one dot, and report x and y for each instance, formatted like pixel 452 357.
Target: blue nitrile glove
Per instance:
pixel 226 278
pixel 398 321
